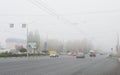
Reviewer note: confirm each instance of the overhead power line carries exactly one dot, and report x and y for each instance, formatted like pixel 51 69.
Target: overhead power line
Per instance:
pixel 92 12
pixel 40 4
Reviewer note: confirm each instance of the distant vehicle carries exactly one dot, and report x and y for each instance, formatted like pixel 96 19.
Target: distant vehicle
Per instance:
pixel 101 53
pixel 110 55
pixel 92 53
pixel 62 53
pixel 69 53
pixel 52 52
pixel 80 55
pixel 54 55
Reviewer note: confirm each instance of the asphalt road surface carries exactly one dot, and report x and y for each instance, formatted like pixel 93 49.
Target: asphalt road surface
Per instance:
pixel 63 65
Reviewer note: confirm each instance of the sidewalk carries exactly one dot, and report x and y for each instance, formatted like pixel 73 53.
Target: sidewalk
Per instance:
pixel 119 59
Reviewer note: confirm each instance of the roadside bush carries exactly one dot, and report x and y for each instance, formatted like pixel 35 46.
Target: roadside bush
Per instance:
pixel 9 54
pixel 23 50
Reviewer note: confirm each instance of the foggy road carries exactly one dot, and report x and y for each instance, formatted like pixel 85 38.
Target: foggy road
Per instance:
pixel 31 29
pixel 63 65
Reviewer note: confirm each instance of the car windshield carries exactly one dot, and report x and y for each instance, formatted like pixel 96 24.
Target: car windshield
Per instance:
pixel 59 37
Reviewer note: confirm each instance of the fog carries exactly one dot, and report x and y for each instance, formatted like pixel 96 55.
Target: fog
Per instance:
pixel 65 20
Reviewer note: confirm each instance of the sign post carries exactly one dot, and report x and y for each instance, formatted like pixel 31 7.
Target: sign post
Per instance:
pixel 33 45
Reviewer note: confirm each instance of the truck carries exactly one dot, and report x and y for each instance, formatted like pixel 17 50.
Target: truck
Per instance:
pixel 92 53
pixel 53 53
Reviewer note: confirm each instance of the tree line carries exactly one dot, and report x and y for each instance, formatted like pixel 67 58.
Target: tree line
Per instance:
pixel 43 45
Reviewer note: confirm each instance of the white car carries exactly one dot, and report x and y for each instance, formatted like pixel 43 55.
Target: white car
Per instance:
pixel 69 53
pixel 80 55
pixel 54 55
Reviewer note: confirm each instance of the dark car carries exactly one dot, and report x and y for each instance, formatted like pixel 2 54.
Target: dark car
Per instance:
pixel 92 54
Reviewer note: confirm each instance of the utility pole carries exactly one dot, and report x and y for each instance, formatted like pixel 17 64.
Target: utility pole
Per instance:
pixel 27 41
pixel 26 26
pixel 46 44
pixel 117 46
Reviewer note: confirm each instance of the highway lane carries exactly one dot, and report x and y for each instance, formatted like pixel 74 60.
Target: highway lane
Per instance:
pixel 63 65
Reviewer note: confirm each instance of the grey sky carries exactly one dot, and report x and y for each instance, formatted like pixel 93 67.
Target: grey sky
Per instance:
pixel 97 20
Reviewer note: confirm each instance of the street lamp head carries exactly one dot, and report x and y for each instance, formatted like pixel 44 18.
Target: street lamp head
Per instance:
pixel 24 25
pixel 11 25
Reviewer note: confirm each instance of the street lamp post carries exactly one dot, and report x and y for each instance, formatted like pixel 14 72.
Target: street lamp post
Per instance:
pixel 27 41
pixel 26 26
